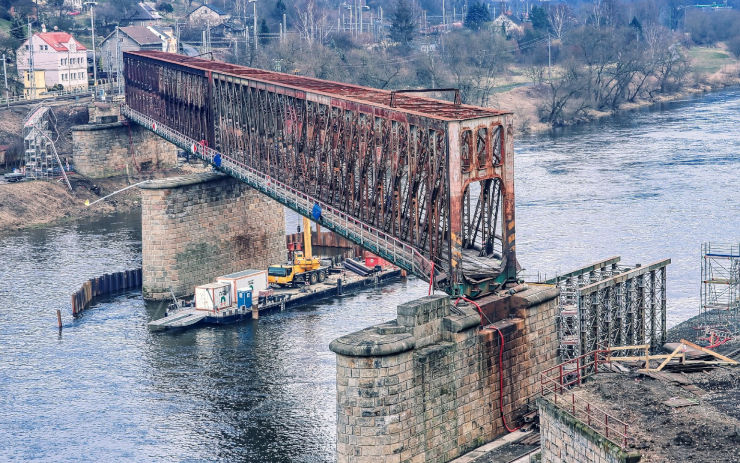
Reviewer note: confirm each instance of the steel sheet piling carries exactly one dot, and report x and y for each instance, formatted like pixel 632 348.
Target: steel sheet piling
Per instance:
pixel 104 285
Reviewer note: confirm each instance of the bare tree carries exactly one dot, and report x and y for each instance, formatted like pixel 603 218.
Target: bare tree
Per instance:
pixel 474 59
pixel 313 23
pixel 560 17
pixel 564 95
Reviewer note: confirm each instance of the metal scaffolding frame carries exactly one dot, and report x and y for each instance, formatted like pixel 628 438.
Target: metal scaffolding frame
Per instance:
pixel 720 289
pixel 41 159
pixel 607 304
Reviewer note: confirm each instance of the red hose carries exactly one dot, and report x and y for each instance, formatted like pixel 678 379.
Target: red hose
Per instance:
pixel 500 361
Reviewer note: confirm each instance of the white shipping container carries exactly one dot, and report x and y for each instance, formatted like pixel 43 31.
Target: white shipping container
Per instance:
pixel 256 280
pixel 213 296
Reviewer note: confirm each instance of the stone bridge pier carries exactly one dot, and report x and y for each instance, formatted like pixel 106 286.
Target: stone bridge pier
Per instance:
pixel 198 227
pixel 426 387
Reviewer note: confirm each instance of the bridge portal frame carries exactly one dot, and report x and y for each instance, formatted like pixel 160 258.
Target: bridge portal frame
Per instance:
pixel 432 181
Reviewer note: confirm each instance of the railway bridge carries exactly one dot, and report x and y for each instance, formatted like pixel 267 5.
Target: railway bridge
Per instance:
pixel 424 183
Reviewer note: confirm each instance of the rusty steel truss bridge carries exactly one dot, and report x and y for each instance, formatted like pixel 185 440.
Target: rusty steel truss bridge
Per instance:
pixel 426 184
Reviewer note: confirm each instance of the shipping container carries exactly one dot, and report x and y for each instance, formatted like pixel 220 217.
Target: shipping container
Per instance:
pixel 256 280
pixel 213 296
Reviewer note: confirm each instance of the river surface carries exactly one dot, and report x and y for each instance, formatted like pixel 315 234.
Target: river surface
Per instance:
pixel 645 185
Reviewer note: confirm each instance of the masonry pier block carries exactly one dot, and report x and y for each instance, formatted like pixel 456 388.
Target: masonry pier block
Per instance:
pixel 107 149
pixel 425 387
pixel 198 227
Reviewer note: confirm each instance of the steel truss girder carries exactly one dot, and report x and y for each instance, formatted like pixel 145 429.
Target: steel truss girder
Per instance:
pixel 444 187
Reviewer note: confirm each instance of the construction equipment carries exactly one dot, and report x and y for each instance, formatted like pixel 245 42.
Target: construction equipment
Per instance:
pixel 304 269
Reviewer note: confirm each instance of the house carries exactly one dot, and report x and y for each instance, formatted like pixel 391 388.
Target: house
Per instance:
pixel 132 38
pixel 56 58
pixel 146 15
pixel 228 30
pixel 507 25
pixel 168 37
pixel 207 14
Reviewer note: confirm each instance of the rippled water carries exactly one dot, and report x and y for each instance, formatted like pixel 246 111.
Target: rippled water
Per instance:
pixel 646 186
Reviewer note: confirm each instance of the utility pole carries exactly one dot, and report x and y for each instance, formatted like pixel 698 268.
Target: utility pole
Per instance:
pixel 549 59
pixel 32 79
pixel 254 5
pixel 119 61
pixel 95 58
pixel 5 77
pixel 444 21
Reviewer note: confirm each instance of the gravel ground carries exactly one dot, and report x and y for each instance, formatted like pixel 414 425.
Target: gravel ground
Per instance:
pixel 706 432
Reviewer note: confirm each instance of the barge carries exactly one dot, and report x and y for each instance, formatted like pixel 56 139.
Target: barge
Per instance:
pixel 233 298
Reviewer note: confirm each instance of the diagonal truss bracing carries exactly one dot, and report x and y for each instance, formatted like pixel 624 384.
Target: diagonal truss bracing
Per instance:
pixel 419 174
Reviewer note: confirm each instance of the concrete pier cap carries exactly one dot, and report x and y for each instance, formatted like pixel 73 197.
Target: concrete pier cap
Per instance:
pixel 198 227
pixel 425 386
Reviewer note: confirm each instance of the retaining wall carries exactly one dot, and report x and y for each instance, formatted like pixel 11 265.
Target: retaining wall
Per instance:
pixel 565 439
pixel 425 387
pixel 198 227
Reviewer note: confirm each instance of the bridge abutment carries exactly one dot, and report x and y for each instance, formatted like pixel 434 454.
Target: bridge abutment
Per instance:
pixel 198 227
pixel 425 387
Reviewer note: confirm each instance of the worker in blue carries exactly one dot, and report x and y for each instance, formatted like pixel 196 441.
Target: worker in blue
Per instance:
pixel 316 212
pixel 217 160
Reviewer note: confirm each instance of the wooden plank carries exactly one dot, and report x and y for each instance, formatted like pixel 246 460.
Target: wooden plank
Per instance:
pixel 635 358
pixel 709 351
pixel 668 359
pixel 635 347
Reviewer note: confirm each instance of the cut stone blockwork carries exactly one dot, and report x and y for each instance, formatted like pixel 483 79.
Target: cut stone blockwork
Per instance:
pixel 198 227
pixel 106 149
pixel 565 439
pixel 425 387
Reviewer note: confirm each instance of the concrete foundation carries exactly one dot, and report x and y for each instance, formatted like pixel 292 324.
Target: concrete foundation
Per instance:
pixel 198 227
pixel 107 149
pixel 425 387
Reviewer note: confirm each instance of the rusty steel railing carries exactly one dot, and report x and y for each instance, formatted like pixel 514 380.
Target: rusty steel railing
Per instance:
pixel 556 384
pixel 393 250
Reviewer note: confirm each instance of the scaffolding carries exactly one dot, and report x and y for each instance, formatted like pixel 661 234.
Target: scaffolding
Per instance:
pixel 720 290
pixel 42 161
pixel 607 304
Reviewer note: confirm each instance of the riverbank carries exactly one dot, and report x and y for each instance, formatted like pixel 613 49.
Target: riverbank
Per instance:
pixel 712 69
pixel 40 203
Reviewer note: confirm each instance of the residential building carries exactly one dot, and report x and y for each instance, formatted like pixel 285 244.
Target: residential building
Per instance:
pixel 133 38
pixel 507 26
pixel 56 58
pixel 207 14
pixel 146 15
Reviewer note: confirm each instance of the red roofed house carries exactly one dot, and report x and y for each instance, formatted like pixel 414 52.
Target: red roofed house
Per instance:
pixel 56 58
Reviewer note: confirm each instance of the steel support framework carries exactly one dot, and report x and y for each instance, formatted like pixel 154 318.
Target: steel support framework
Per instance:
pixel 606 305
pixel 428 174
pixel 720 288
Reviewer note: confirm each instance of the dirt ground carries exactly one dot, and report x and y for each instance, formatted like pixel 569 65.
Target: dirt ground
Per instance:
pixel 706 432
pixel 38 203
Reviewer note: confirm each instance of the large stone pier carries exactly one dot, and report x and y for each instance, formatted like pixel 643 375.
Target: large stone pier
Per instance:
pixel 107 146
pixel 425 387
pixel 198 227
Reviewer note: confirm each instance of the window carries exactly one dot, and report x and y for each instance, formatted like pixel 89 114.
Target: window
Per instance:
pixel 64 76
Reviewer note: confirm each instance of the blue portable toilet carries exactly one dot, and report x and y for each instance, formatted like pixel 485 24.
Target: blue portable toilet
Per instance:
pixel 244 298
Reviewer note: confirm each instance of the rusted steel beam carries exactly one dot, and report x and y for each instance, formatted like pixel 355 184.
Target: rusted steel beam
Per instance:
pixel 433 174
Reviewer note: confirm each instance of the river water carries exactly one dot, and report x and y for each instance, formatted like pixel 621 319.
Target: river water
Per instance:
pixel 646 185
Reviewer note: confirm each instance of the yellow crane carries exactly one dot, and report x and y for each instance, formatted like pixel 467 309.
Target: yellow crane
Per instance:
pixel 305 268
